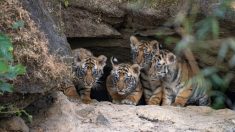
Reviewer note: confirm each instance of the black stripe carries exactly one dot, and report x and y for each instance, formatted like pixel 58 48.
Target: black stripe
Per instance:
pixel 175 75
pixel 148 88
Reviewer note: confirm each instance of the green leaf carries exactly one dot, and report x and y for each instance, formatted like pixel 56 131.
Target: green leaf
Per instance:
pixel 6 48
pixel 203 28
pixel 209 71
pixel 66 3
pixel 219 100
pixel 232 61
pixel 222 51
pixel 18 69
pixel 18 24
pixel 29 117
pixel 14 71
pixel 215 28
pixel 3 67
pixel 217 81
pixel 5 87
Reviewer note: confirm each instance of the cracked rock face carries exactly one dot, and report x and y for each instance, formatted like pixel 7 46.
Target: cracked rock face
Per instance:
pixel 71 116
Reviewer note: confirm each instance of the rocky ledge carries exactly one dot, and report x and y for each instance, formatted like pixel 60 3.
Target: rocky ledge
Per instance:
pixel 71 115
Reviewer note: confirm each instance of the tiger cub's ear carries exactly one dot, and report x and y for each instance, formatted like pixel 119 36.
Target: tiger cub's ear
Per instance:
pixel 171 58
pixel 114 61
pixel 102 60
pixel 80 54
pixel 136 69
pixel 134 41
pixel 155 46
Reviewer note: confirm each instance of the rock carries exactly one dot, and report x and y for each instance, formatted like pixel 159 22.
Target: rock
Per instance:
pixel 81 23
pixel 101 18
pixel 105 116
pixel 13 124
pixel 109 8
pixel 49 24
pixel 37 46
pixel 92 18
pixel 102 120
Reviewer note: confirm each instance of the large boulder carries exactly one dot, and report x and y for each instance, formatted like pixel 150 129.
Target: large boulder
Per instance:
pixel 39 47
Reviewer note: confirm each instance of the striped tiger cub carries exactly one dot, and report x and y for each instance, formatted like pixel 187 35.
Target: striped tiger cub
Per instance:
pixel 142 54
pixel 88 70
pixel 175 75
pixel 123 83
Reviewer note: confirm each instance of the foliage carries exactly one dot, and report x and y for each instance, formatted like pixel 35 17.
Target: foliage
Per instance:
pixel 18 24
pixel 8 71
pixel 11 110
pixel 66 3
pixel 198 32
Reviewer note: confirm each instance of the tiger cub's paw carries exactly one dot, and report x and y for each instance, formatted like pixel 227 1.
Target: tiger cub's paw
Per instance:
pixel 86 101
pixel 152 103
pixel 116 102
pixel 177 105
pixel 128 102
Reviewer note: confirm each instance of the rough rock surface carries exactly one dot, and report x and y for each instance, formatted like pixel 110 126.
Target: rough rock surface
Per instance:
pixel 92 18
pixel 35 47
pixel 81 23
pixel 13 124
pixel 71 116
pixel 40 13
pixel 102 18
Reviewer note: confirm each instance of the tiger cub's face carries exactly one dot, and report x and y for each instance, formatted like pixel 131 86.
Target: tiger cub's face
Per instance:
pixel 159 65
pixel 125 77
pixel 90 69
pixel 143 51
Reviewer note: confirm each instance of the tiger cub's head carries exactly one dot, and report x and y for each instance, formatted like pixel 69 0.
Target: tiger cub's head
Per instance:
pixel 89 68
pixel 160 64
pixel 143 51
pixel 125 77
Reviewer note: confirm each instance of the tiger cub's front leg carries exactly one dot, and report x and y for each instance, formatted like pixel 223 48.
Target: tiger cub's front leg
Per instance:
pixel 85 95
pixel 156 98
pixel 116 99
pixel 167 97
pixel 133 98
pixel 183 96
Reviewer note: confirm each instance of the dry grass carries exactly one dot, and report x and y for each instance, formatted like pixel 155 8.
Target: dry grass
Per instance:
pixel 44 71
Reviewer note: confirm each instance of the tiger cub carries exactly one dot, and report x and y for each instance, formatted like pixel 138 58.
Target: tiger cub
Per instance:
pixel 178 89
pixel 123 83
pixel 142 54
pixel 88 70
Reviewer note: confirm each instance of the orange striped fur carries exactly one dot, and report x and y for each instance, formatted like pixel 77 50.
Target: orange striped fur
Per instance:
pixel 123 84
pixel 88 70
pixel 142 53
pixel 178 90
